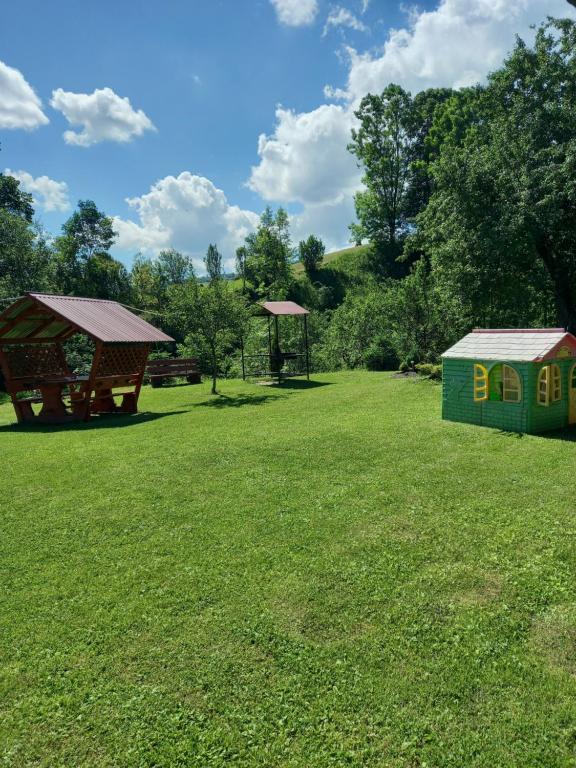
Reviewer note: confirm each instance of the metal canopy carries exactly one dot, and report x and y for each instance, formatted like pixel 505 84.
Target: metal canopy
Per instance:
pixel 42 318
pixel 278 308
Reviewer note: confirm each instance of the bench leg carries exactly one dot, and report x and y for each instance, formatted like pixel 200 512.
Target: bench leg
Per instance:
pixel 129 403
pixel 24 412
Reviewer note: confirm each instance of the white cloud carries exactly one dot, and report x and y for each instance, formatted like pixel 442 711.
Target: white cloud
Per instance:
pixel 186 212
pixel 103 116
pixel 457 44
pixel 306 160
pixel 296 13
pixel 330 221
pixel 342 17
pixel 20 107
pixel 47 194
pixel 365 4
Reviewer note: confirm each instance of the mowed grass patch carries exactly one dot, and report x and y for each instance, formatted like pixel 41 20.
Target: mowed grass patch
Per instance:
pixel 322 575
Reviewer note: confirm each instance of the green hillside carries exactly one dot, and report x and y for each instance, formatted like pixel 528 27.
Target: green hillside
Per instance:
pixel 343 260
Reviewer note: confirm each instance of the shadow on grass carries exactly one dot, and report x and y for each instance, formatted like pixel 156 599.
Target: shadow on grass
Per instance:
pixel 303 384
pixel 106 421
pixel 567 435
pixel 237 401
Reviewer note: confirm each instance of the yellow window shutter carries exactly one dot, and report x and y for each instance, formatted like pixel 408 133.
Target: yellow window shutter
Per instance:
pixel 480 383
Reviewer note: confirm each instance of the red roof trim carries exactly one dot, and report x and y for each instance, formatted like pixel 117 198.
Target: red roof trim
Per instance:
pixel 519 330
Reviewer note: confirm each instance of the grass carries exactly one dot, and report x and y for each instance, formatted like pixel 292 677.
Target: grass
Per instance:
pixel 346 260
pixel 306 576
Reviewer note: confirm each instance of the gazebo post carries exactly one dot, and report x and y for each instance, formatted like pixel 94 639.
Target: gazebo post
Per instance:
pixel 306 346
pixel 277 347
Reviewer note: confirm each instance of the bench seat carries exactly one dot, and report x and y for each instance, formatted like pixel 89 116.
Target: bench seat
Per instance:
pixel 186 367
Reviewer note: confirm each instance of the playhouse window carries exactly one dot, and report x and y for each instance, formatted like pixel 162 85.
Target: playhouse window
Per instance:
pixel 549 385
pixel 511 385
pixel 480 383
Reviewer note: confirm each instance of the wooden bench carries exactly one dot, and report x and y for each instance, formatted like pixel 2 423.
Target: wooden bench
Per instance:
pixel 160 370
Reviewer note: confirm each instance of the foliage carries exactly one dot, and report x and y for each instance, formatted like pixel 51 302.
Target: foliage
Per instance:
pixel 82 263
pixel 211 317
pixel 213 263
pixel 25 257
pixel 501 224
pixel 311 252
pixel 390 145
pixel 429 370
pixel 267 254
pixel 13 200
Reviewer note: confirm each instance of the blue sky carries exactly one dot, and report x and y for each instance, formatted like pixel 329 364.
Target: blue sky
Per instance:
pixel 204 80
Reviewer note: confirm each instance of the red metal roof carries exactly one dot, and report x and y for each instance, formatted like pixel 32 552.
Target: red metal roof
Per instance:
pixel 283 308
pixel 102 320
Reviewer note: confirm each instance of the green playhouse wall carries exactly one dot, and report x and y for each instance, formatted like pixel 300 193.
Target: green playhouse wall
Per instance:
pixel 526 416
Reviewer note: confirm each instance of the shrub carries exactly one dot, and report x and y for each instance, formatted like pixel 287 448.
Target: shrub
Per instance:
pixel 380 356
pixel 404 367
pixel 430 371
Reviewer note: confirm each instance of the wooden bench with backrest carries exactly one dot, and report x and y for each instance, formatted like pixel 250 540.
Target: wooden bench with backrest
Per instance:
pixel 158 371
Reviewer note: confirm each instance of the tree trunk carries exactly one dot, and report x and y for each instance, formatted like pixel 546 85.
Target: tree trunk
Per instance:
pixel 213 391
pixel 565 301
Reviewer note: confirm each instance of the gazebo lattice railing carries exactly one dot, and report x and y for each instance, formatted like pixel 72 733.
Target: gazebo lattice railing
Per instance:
pixel 276 363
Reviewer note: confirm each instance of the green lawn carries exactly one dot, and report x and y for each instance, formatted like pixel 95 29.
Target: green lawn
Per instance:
pixel 323 576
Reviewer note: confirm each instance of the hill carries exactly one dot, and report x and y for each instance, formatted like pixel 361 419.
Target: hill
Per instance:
pixel 345 260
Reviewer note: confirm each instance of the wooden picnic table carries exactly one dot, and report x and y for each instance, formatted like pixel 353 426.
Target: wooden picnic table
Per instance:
pixel 51 388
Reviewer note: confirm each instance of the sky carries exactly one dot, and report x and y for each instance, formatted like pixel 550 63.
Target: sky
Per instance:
pixel 183 119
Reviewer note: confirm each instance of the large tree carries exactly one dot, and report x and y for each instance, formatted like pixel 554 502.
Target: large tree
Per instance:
pixel 266 259
pixel 391 147
pixel 84 265
pixel 501 223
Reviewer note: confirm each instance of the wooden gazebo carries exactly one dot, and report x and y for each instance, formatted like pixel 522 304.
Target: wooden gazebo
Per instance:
pixel 32 357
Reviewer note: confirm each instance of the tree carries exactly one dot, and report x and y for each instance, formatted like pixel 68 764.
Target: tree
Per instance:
pixel 311 253
pixel 25 257
pixel 14 200
pixel 172 267
pixel 83 263
pixel 212 317
pixel 90 230
pixel 383 147
pixel 267 257
pixel 241 256
pixel 501 223
pixel 213 262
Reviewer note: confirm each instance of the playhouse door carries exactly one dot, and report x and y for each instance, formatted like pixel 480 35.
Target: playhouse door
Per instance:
pixel 572 404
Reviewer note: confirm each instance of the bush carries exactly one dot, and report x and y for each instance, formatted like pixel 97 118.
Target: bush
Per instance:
pixel 404 367
pixel 380 356
pixel 430 371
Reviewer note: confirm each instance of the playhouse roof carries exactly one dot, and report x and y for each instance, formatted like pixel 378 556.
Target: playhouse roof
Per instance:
pixel 40 317
pixel 522 345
